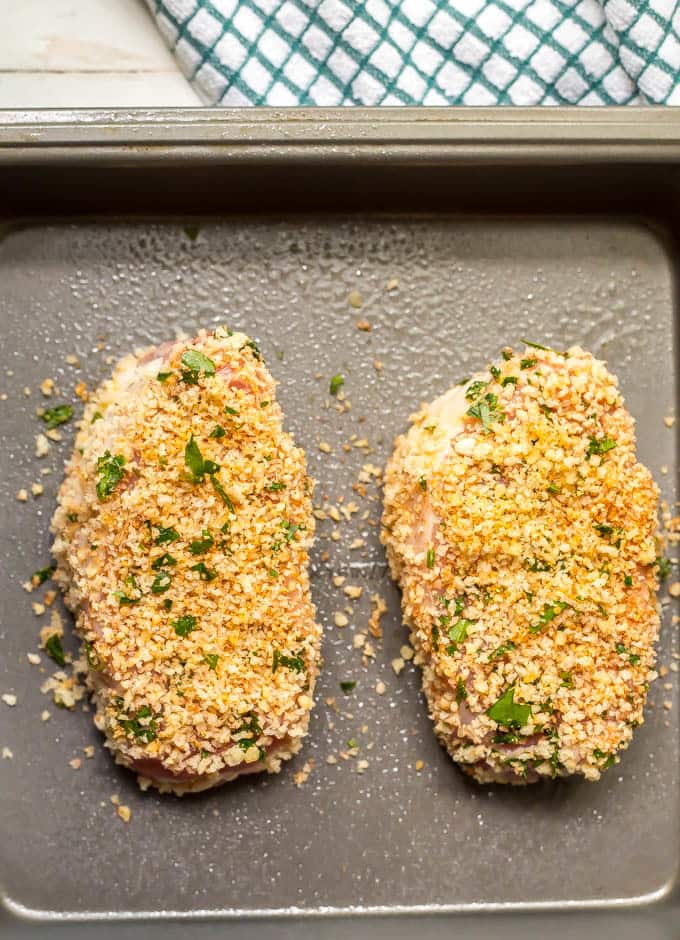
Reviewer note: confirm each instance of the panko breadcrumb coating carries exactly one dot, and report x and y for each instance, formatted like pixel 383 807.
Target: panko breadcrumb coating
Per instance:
pixel 181 541
pixel 521 529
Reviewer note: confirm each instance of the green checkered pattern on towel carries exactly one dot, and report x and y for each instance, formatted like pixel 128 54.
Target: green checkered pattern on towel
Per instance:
pixel 431 52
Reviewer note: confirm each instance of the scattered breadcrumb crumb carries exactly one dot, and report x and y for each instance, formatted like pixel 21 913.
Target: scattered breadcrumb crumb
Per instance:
pixel 397 665
pixel 419 765
pixel 37 489
pixel 38 609
pixel 364 326
pixel 674 589
pixel 669 421
pixel 22 495
pixel 33 659
pixel 406 652
pixel 379 608
pixel 380 687
pixel 362 765
pixel 47 387
pixel 9 699
pixel 331 759
pixel 354 299
pixel 81 391
pixel 392 284
pixel 340 619
pixel 667 705
pixel 302 775
pixel 324 447
pixel 89 751
pixel 338 580
pixel 73 360
pixel 42 446
pixel 377 365
pixel 359 640
pixel 45 715
pixel 125 813
pixel 353 591
pixel 75 763
pixel 7 754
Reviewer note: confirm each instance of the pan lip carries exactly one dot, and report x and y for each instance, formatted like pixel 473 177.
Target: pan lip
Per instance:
pixel 327 912
pixel 604 134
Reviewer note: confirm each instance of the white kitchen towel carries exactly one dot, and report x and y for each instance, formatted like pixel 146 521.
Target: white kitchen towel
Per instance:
pixel 431 52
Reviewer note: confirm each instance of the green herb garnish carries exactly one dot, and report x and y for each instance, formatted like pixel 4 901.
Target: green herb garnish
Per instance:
pixel 550 611
pixel 348 686
pixel 185 624
pixel 461 691
pixel 161 582
pixel 603 755
pixel 60 414
pixel 251 727
pixel 252 345
pixel 211 659
pixel 44 574
pixel 527 363
pixel 509 380
pixel 144 732
pixel 663 567
pixel 163 376
pixel 501 650
pixel 291 529
pixel 199 546
pixel 495 371
pixel 475 389
pixel 166 535
pixel 217 432
pixel 111 472
pixel 55 650
pixel 486 410
pixel 507 712
pixel 163 561
pixel 206 574
pixel 456 633
pixel 633 658
pixel 194 363
pixel 567 680
pixel 599 447
pixel 230 411
pixel 429 559
pixel 296 663
pixel 336 384
pixel 543 348
pixel 275 487
pixel 422 483
pixel 553 489
pixel 221 492
pixel 628 580
pixel 97 416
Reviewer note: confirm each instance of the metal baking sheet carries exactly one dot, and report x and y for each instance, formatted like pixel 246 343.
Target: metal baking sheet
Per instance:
pixel 389 841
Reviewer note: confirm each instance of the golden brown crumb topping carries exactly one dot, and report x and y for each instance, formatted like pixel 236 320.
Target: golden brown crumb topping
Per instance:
pixel 521 528
pixel 182 534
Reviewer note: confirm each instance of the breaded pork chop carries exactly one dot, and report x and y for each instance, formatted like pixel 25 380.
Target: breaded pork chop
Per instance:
pixel 181 539
pixel 521 529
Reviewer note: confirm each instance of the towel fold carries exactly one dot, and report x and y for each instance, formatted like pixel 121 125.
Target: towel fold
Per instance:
pixel 431 52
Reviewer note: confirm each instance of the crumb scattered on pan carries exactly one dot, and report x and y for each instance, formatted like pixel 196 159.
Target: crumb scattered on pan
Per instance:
pixel 355 300
pixel 9 699
pixel 302 775
pixel 7 754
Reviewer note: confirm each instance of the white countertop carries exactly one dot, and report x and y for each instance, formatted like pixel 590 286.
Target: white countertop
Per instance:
pixel 86 53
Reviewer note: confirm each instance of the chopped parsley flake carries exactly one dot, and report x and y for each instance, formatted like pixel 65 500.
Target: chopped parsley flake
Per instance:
pixel 348 686
pixel 163 376
pixel 461 691
pixel 161 582
pixel 567 680
pixel 495 371
pixel 429 559
pixel 599 447
pixel 633 658
pixel 144 732
pixel 255 349
pixel 502 650
pixel 527 363
pixel 543 348
pixel 194 363
pixel 456 633
pixel 221 492
pixel 422 483
pixel 251 727
pixel 211 659
pixel 163 561
pixel 507 712
pixel 44 574
pixel 206 574
pixel 475 389
pixel 553 489
pixel 550 611
pixel 295 663
pixel 275 487
pixel 292 528
pixel 166 535
pixel 217 432
pixel 60 414
pixel 509 380
pixel 507 354
pixel 185 624
pixel 97 416
pixel 336 384
pixel 628 580
pixel 202 545
pixel 486 410
pixel 603 755
pixel 663 566
pixel 229 410
pixel 55 650
pixel 111 472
